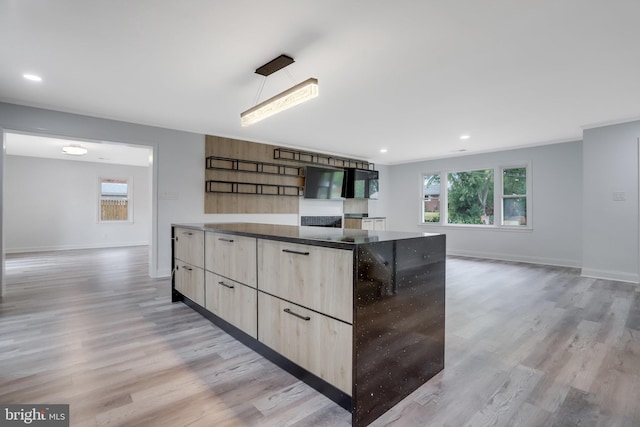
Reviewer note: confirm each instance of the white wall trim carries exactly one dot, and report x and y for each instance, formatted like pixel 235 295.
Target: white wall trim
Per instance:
pixel 72 247
pixel 510 257
pixel 619 276
pixel 161 274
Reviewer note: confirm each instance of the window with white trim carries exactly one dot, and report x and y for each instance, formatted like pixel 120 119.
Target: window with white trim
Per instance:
pixel 114 201
pixel 514 196
pixel 492 197
pixel 431 198
pixel 470 197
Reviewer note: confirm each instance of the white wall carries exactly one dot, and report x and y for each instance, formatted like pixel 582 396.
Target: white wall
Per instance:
pixel 380 206
pixel 52 204
pixel 556 237
pixel 610 227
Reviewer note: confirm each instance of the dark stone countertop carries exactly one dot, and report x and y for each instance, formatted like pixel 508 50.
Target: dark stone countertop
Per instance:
pixel 317 236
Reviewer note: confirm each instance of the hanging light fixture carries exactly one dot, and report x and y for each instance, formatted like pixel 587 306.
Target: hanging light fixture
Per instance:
pixel 291 97
pixel 74 150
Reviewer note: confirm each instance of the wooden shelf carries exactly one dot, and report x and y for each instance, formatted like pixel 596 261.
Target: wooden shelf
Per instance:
pixel 231 187
pixel 238 165
pixel 321 159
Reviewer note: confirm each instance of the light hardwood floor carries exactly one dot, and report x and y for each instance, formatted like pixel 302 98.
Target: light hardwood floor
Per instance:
pixel 525 346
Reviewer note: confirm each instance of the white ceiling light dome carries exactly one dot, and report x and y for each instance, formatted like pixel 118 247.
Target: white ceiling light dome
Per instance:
pixel 74 150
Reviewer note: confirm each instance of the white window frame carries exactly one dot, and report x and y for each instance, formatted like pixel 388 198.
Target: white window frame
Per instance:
pixel 501 196
pixel 445 208
pixel 422 177
pixel 498 191
pixel 129 181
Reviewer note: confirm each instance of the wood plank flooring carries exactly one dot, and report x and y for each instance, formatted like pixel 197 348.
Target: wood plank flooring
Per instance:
pixel 526 345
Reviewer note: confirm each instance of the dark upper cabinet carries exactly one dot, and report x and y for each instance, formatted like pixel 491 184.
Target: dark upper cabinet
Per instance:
pixel 360 184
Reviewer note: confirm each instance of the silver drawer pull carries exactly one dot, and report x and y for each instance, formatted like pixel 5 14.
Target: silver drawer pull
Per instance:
pixel 289 251
pixel 226 240
pixel 187 268
pixel 225 285
pixel 307 318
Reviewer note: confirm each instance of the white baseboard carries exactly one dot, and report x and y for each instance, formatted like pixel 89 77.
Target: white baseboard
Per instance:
pixel 619 276
pixel 611 275
pixel 559 262
pixel 73 247
pixel 161 274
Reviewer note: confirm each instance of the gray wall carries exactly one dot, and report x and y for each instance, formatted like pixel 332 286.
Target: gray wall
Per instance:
pixel 556 236
pixel 610 230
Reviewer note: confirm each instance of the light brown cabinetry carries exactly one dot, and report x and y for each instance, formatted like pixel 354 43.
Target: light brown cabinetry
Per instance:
pixel 318 343
pixel 189 263
pixel 313 276
pixel 354 223
pixel 232 301
pixel 189 246
pixel 231 256
pixel 189 281
pixel 230 279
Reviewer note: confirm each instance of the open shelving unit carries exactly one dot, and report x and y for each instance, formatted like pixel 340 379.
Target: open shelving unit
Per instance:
pixel 230 187
pixel 321 159
pixel 240 165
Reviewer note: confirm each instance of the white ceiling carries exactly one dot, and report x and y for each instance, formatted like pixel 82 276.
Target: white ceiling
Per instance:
pixel 17 144
pixel 409 75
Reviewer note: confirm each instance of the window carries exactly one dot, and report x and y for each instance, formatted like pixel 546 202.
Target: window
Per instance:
pixel 431 198
pixel 470 197
pixel 514 196
pixel 114 200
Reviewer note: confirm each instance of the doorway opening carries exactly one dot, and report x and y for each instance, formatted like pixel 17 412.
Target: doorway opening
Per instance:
pixel 52 198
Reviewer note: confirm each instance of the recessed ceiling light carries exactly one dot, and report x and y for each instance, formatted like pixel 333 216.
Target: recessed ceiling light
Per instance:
pixel 74 150
pixel 383 150
pixel 32 77
pixel 465 136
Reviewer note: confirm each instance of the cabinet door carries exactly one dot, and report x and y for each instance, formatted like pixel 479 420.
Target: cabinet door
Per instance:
pixel 319 344
pixel 233 302
pixel 313 276
pixel 380 224
pixel 353 223
pixel 367 224
pixel 189 281
pixel 189 246
pixel 233 257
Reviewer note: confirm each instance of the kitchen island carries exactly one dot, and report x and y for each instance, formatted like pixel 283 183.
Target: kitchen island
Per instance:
pixel 356 314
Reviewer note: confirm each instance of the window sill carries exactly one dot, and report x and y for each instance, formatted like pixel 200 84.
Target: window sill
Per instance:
pixel 501 228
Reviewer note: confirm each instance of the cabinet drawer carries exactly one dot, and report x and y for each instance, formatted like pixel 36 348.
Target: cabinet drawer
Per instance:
pixel 379 224
pixel 189 246
pixel 312 276
pixel 233 302
pixel 367 224
pixel 355 223
pixel 319 344
pixel 189 281
pixel 233 257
